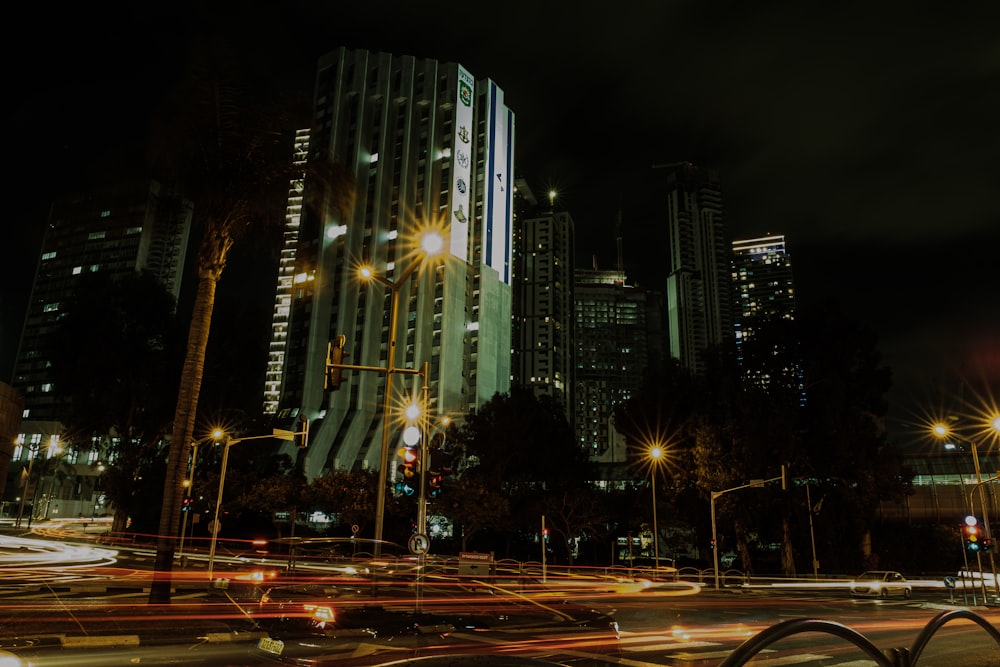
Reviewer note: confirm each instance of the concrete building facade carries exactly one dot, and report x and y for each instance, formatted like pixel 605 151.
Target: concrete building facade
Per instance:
pixel 544 340
pixel 398 146
pixel 699 283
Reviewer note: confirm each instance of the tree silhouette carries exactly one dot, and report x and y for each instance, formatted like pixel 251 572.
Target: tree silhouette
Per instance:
pixel 227 148
pixel 116 361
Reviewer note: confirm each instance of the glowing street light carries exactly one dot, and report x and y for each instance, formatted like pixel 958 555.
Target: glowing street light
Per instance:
pixel 431 244
pixel 655 454
pixel 989 427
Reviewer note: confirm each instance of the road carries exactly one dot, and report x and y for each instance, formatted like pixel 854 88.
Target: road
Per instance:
pixel 660 625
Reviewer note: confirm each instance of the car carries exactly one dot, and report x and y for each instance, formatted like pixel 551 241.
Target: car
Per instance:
pixel 880 584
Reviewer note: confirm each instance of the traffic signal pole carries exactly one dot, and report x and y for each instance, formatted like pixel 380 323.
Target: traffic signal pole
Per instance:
pixel 424 455
pixel 754 483
pixel 988 537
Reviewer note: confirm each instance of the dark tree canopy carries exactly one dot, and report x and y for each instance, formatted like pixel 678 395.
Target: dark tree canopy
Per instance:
pixel 117 361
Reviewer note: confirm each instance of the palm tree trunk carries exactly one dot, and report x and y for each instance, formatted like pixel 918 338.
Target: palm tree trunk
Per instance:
pixel 183 430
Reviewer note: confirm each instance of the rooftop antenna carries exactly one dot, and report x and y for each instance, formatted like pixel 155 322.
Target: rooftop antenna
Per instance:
pixel 618 248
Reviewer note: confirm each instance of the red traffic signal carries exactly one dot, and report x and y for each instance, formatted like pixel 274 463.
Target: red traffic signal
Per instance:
pixel 435 484
pixel 411 461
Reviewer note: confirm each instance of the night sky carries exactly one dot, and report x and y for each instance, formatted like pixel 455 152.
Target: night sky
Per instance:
pixel 867 133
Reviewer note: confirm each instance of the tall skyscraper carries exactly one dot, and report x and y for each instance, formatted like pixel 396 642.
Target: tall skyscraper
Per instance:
pixel 286 276
pixel 765 290
pixel 543 298
pixel 426 146
pixel 618 337
pixel 118 231
pixel 762 275
pixel 699 282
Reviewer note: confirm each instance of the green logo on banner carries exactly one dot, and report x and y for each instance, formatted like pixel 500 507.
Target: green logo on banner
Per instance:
pixel 465 93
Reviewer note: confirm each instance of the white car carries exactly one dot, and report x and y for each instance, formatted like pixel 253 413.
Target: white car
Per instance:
pixel 881 584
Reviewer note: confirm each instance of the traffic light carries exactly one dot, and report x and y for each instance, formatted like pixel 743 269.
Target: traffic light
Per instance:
pixel 410 469
pixel 972 536
pixel 187 504
pixel 987 543
pixel 435 483
pixel 302 433
pixel 411 461
pixel 334 358
pixel 711 545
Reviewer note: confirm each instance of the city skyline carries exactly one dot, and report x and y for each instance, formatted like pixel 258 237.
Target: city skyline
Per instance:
pixel 865 139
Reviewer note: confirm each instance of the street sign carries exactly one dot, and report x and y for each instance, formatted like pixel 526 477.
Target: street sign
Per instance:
pixel 282 434
pixel 418 544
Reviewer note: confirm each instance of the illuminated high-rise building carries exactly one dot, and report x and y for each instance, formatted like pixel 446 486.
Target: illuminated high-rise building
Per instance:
pixel 618 338
pixel 762 275
pixel 765 294
pixel 543 298
pixel 118 231
pixel 286 275
pixel 699 282
pixel 398 145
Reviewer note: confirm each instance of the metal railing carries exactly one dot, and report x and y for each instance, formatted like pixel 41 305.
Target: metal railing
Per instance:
pixel 892 657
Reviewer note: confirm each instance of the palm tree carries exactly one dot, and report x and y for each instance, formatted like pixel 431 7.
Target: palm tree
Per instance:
pixel 227 155
pixel 233 143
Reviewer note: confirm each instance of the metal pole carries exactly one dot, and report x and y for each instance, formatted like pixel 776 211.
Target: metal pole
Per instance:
pixel 390 362
pixel 715 544
pixel 544 547
pixel 656 531
pixel 187 509
pixel 812 533
pixel 27 485
pixel 424 452
pixel 986 523
pixel 218 501
pixel 390 368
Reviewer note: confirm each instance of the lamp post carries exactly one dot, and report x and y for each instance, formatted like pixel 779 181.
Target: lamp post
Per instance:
pixel 431 245
pixel 188 483
pixel 218 435
pixel 32 453
pixel 718 494
pixel 96 494
pixel 655 455
pixel 942 431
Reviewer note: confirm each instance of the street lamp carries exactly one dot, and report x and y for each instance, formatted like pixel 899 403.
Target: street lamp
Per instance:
pixel 431 244
pixel 188 484
pixel 990 426
pixel 32 453
pixel 715 495
pixel 218 435
pixel 656 454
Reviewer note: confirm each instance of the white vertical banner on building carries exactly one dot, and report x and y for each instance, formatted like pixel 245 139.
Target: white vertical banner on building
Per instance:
pixel 462 160
pixel 498 210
